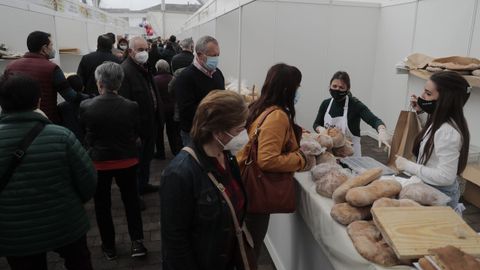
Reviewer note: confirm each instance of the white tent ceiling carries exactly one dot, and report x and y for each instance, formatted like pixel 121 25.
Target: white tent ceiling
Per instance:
pixel 141 4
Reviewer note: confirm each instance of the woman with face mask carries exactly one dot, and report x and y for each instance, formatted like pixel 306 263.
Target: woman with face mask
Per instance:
pixel 344 111
pixel 441 147
pixel 197 224
pixel 278 138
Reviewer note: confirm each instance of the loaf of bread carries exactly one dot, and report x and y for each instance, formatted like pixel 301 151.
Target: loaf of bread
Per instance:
pixel 325 141
pixel 366 195
pixel 326 157
pixel 328 177
pixel 387 202
pixel 425 264
pixel 344 151
pixel 365 178
pixel 424 194
pixel 337 136
pixel 368 241
pixel 345 214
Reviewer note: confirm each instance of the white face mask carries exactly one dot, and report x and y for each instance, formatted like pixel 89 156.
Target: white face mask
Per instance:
pixel 141 57
pixel 220 142
pixel 123 47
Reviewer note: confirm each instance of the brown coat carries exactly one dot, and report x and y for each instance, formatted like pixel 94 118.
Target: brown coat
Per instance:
pixel 278 150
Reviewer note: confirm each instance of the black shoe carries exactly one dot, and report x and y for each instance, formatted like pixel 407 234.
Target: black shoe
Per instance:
pixel 138 249
pixel 110 253
pixel 141 203
pixel 149 188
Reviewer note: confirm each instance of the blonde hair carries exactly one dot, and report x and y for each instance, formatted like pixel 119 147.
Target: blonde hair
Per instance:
pixel 220 110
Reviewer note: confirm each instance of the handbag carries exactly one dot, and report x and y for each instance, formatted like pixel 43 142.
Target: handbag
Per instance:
pixel 268 192
pixel 240 231
pixel 407 128
pixel 19 153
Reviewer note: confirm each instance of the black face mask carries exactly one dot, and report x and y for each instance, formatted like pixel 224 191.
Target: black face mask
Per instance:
pixel 427 105
pixel 338 95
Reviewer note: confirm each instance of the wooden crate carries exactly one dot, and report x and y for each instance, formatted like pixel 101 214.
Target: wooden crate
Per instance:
pixel 472 188
pixel 412 231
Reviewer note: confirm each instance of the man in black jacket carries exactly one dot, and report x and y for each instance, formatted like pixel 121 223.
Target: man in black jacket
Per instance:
pixel 89 62
pixel 185 58
pixel 196 81
pixel 138 86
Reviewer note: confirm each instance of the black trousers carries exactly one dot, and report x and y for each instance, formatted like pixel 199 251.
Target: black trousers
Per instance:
pixel 76 256
pixel 126 181
pixel 257 224
pixel 173 135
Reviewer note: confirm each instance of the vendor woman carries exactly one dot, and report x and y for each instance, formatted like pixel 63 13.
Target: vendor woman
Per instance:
pixel 344 112
pixel 441 147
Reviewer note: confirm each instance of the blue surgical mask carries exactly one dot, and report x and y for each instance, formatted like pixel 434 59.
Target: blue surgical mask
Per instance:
pixel 297 97
pixel 212 62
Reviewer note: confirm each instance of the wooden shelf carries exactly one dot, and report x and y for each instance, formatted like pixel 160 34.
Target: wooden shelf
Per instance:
pixel 474 81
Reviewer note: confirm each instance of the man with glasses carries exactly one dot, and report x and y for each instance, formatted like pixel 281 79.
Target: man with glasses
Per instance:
pixel 196 81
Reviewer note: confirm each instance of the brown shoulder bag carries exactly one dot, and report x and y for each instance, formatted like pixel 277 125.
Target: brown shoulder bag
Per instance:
pixel 268 192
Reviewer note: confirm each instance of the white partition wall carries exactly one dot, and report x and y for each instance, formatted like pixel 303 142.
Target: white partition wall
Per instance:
pixel 434 27
pixel 227 34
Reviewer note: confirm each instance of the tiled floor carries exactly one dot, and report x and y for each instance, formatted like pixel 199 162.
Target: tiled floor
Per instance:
pixel 152 227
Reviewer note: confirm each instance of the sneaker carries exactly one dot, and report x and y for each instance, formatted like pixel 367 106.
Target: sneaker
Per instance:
pixel 110 253
pixel 149 188
pixel 138 249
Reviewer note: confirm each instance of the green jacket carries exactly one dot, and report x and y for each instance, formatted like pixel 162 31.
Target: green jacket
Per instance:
pixel 41 208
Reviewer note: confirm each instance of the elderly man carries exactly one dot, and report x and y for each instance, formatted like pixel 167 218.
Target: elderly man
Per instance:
pixel 196 81
pixel 46 177
pixel 138 85
pixel 184 58
pixel 37 65
pixel 112 125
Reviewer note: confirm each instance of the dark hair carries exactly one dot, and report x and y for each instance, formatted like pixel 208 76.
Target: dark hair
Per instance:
pixel 104 42
pixel 18 93
pixel 75 82
pixel 220 110
pixel 172 38
pixel 111 36
pixel 36 40
pixel 342 76
pixel 279 89
pixel 452 95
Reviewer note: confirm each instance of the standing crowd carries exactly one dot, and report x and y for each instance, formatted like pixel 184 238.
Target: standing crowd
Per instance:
pixel 56 157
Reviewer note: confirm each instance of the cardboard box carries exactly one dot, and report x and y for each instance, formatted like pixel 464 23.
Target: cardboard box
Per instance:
pixel 472 188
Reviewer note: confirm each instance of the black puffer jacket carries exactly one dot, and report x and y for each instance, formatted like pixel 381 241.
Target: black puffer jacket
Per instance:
pixel 197 227
pixel 111 124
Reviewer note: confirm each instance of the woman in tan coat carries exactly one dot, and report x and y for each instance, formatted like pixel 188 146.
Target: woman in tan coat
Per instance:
pixel 279 138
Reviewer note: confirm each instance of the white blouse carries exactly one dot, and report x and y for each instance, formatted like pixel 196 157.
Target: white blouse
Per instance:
pixel 441 168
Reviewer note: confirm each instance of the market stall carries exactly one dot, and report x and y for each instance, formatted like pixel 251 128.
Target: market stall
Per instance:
pixel 310 238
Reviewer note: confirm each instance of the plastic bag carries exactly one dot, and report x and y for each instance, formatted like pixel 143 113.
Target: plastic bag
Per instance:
pixel 424 194
pixel 328 177
pixel 310 146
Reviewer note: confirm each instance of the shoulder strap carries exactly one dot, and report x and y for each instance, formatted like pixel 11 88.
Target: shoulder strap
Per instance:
pixel 264 116
pixel 239 231
pixel 19 153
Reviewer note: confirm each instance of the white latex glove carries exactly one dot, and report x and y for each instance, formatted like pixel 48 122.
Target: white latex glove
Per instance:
pixel 384 137
pixel 321 130
pixel 404 164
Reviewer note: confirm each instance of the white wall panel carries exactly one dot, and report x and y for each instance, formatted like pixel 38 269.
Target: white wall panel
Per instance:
pixel 206 29
pixel 395 34
pixel 227 34
pixel 475 46
pixel 300 41
pixel 65 38
pixel 93 31
pixel 18 23
pixel 351 47
pixel 443 27
pixel 472 111
pixel 258 41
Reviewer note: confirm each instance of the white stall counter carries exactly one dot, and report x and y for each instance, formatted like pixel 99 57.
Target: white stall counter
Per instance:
pixel 310 239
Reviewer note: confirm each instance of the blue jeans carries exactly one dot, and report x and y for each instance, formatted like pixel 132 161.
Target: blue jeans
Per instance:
pixel 186 139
